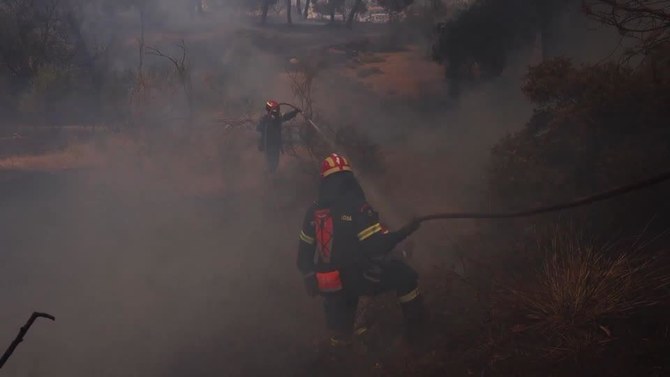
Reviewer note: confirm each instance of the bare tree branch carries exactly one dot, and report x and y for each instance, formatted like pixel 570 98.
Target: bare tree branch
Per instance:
pixel 646 21
pixel 181 67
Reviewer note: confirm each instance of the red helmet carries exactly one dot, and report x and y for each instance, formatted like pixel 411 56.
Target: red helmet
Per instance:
pixel 334 164
pixel 272 105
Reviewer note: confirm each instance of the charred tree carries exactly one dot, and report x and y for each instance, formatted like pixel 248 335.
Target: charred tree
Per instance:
pixel 646 21
pixel 352 14
pixel 264 11
pixel 88 59
pixel 288 12
pixel 331 4
pixel 181 69
pixel 306 12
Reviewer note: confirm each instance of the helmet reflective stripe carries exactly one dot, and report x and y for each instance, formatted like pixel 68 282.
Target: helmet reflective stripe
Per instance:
pixel 335 170
pixel 334 164
pixel 271 105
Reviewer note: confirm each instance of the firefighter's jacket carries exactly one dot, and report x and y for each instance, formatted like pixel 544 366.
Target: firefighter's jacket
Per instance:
pixel 270 128
pixel 345 237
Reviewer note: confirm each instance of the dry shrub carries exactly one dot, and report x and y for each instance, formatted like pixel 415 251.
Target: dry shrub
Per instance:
pixel 367 72
pixel 370 58
pixel 156 101
pixel 582 287
pixel 347 139
pixel 301 74
pixel 594 127
pixel 360 148
pixel 327 139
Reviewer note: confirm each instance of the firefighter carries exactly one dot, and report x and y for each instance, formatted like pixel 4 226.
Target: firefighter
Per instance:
pixel 344 252
pixel 270 129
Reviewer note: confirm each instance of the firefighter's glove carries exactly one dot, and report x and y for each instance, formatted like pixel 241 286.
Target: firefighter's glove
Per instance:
pixel 311 284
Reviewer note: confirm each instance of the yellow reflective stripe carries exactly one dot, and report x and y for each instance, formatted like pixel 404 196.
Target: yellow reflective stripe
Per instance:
pixel 330 161
pixel 306 238
pixel 360 331
pixel 366 233
pixel 409 296
pixel 337 342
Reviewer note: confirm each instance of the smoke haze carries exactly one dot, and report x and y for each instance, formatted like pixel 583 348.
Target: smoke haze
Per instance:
pixel 185 265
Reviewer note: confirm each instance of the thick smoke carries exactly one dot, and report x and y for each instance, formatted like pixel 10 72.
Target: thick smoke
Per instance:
pixel 143 279
pixel 146 279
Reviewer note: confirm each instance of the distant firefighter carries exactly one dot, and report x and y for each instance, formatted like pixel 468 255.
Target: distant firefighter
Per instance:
pixel 343 254
pixel 270 129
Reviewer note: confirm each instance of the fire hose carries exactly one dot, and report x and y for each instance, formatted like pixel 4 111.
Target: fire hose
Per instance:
pixel 22 333
pixel 604 195
pixel 555 207
pixel 311 123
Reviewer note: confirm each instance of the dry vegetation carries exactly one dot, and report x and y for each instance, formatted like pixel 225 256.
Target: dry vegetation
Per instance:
pixel 582 287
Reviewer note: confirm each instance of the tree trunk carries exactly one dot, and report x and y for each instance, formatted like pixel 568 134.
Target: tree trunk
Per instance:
pixel 298 7
pixel 140 67
pixel 264 11
pixel 288 12
pixel 306 13
pixel 87 61
pixel 353 12
pixel 332 11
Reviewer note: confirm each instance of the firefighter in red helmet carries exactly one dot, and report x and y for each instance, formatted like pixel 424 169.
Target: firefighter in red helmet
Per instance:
pixel 270 129
pixel 344 251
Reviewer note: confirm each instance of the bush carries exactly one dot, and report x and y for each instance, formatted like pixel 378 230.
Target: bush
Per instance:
pixel 360 148
pixel 46 93
pixel 594 127
pixel 582 287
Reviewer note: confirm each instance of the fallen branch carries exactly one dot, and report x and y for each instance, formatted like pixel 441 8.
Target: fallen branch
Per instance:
pixel 22 333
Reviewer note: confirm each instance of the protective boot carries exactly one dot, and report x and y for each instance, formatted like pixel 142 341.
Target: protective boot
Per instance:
pixel 343 344
pixel 340 341
pixel 360 339
pixel 338 348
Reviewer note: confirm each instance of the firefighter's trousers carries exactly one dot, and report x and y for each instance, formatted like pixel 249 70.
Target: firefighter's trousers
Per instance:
pixel 390 275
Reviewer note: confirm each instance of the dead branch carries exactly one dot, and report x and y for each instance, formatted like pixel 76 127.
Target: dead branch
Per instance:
pixel 181 67
pixel 179 63
pixel 646 21
pixel 22 333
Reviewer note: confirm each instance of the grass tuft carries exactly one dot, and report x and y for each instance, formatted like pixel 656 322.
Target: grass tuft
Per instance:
pixel 583 285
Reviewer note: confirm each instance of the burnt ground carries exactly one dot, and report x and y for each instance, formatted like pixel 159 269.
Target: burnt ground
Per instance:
pixel 146 279
pixel 150 284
